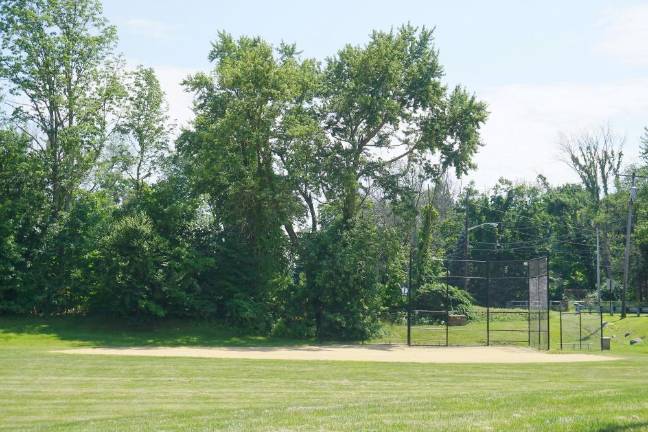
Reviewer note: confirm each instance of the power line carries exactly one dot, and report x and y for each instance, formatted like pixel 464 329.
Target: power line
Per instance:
pixel 504 212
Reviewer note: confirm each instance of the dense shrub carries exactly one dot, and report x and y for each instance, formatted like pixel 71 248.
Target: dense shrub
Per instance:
pixel 22 211
pixel 130 267
pixel 341 288
pixel 436 296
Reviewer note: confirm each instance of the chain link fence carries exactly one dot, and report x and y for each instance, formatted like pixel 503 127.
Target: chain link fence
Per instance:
pixel 581 330
pixel 511 306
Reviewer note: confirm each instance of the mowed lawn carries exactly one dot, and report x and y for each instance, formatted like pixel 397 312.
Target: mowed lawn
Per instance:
pixel 40 390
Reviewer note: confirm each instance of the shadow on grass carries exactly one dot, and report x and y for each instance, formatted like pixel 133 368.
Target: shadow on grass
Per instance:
pixel 625 427
pixel 115 333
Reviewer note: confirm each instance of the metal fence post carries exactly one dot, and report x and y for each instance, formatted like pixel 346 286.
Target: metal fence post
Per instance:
pixel 548 307
pixel 561 328
pixel 488 282
pixel 601 328
pixel 580 331
pixel 539 325
pixel 409 299
pixel 528 276
pixel 529 318
pixel 447 310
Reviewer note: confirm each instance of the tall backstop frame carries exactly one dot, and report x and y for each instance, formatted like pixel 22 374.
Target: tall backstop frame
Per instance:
pixel 511 306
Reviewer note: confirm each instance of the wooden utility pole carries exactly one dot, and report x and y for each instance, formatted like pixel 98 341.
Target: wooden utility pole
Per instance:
pixel 626 258
pixel 466 245
pixel 598 267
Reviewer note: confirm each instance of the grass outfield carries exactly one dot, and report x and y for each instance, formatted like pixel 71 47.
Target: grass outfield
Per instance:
pixel 40 390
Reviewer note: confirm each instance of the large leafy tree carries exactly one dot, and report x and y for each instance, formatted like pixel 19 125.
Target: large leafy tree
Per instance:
pixel 535 219
pixel 145 126
pixel 62 78
pixel 385 102
pixel 386 116
pixel 135 155
pixel 247 114
pixel 56 59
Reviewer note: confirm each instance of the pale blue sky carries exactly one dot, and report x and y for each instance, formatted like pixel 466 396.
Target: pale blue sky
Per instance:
pixel 544 68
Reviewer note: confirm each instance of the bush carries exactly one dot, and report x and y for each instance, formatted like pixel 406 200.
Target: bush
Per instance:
pixel 341 287
pixel 130 270
pixel 435 296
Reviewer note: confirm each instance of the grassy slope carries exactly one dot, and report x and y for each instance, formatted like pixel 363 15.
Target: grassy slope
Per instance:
pixel 40 390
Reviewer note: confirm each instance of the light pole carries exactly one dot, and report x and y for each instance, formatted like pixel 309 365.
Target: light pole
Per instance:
pixel 493 224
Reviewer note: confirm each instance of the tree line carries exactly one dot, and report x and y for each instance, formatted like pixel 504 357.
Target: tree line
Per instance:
pixel 301 199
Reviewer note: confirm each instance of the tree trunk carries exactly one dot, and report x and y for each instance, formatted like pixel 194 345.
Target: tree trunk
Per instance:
pixel 291 233
pixel 350 198
pixel 311 209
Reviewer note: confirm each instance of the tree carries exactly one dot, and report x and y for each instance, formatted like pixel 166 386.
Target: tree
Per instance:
pixel 135 155
pixel 21 219
pixel 596 157
pixel 247 115
pixel 382 107
pixel 56 57
pixel 385 102
pixel 144 126
pixel 573 239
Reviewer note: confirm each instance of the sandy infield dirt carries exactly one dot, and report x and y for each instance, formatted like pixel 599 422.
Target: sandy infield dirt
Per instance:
pixel 374 353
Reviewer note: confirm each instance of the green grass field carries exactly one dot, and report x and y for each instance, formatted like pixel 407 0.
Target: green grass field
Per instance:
pixel 40 390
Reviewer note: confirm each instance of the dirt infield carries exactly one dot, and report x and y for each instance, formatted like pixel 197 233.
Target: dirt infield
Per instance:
pixel 374 353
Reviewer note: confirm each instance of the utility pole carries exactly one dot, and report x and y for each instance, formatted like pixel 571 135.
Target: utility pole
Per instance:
pixel 626 258
pixel 466 250
pixel 598 267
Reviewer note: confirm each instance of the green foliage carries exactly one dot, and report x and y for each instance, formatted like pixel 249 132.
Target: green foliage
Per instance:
pixel 388 95
pixel 341 267
pixel 535 220
pixel 131 265
pixel 644 145
pixel 265 213
pixel 248 114
pixel 425 267
pixel 436 296
pixel 393 268
pixel 57 55
pixel 62 268
pixel 22 210
pixel 144 126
